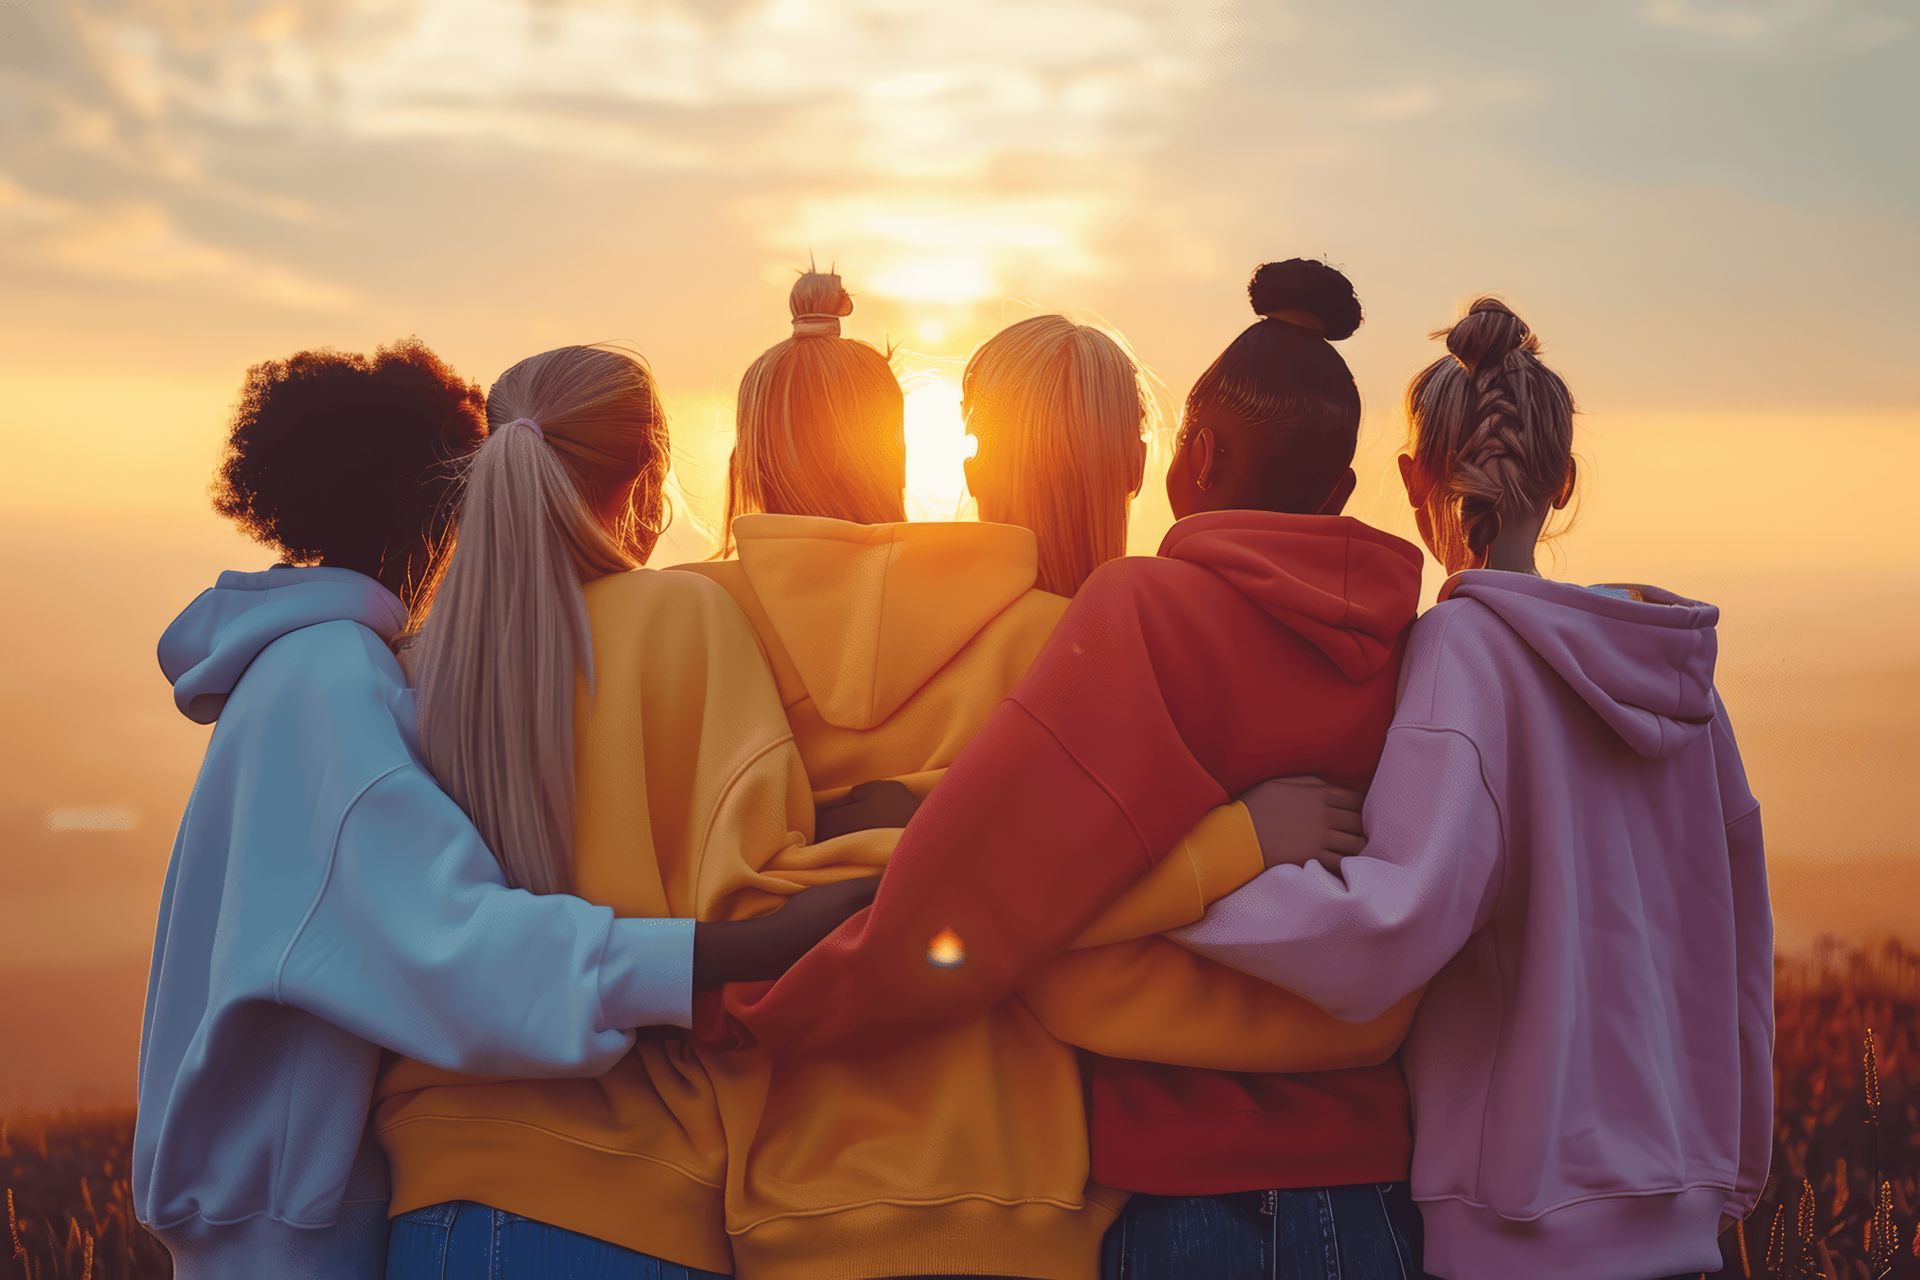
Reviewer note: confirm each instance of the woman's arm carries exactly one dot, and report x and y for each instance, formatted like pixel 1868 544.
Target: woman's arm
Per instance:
pixel 1300 820
pixel 416 944
pixel 1150 1000
pixel 1358 940
pixel 764 947
pixel 429 953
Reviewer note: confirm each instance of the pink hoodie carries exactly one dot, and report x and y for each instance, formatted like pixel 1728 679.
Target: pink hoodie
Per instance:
pixel 1561 841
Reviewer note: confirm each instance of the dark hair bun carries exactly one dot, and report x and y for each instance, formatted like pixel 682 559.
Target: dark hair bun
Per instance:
pixel 1488 334
pixel 1309 286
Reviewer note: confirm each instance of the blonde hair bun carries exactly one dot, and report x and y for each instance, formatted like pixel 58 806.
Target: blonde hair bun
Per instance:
pixel 817 302
pixel 1488 334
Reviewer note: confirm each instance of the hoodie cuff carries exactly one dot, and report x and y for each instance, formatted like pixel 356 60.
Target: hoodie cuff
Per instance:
pixel 646 975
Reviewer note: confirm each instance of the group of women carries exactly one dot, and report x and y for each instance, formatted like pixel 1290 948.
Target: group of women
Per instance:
pixel 888 899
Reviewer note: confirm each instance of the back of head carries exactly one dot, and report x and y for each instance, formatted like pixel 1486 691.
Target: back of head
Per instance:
pixel 820 428
pixel 342 459
pixel 1280 399
pixel 566 488
pixel 1491 425
pixel 1059 412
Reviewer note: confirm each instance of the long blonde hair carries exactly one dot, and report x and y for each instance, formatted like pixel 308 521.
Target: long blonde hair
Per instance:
pixel 566 487
pixel 1061 414
pixel 820 428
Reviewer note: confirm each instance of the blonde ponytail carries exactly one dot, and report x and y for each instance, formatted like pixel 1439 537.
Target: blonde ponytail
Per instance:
pixel 565 489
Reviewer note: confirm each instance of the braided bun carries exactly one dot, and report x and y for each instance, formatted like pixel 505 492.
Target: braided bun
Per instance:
pixel 1492 424
pixel 817 302
pixel 1488 334
pixel 1305 287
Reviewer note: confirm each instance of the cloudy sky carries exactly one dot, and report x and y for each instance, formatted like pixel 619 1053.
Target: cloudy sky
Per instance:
pixel 1710 209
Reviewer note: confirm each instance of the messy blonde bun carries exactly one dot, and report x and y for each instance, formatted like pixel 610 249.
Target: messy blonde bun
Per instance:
pixel 820 425
pixel 817 302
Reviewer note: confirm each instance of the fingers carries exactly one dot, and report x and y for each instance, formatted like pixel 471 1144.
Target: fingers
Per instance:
pixel 1343 843
pixel 1344 798
pixel 1347 821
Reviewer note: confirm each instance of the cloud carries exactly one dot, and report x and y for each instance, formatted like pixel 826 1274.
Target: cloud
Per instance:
pixel 102 818
pixel 1732 20
pixel 139 243
pixel 1407 102
pixel 1855 24
pixel 1029 124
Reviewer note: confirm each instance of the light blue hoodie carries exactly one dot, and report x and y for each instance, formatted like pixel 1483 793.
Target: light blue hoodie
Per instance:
pixel 326 901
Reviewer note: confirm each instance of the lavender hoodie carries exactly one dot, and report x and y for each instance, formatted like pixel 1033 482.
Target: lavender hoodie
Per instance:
pixel 1562 843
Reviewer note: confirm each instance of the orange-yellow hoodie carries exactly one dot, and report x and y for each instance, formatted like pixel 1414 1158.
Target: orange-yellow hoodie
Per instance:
pixel 965 1151
pixel 891 645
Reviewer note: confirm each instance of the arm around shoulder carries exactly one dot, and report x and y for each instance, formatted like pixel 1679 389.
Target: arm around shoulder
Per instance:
pixel 416 943
pixel 1358 941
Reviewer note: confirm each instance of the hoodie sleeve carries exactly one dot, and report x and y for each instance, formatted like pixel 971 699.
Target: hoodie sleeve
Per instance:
pixel 1753 945
pixel 1425 882
pixel 1124 993
pixel 1220 854
pixel 416 944
pixel 1149 1000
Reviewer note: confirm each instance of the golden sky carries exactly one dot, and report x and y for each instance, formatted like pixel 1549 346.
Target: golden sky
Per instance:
pixel 1709 208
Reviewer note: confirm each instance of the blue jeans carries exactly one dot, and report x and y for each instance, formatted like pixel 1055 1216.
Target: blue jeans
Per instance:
pixel 461 1240
pixel 1368 1232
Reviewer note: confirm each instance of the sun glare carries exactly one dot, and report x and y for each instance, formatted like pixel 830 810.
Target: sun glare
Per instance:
pixel 937 446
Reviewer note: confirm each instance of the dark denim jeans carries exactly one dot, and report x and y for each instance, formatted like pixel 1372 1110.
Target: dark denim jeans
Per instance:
pixel 1369 1232
pixel 461 1240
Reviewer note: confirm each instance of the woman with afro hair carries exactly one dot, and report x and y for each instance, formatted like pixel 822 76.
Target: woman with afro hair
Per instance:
pixel 325 901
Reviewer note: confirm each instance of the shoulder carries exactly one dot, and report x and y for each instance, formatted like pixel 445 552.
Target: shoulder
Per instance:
pixel 1455 650
pixel 341 658
pixel 1450 625
pixel 668 615
pixel 1020 632
pixel 1130 580
pixel 671 600
pixel 333 682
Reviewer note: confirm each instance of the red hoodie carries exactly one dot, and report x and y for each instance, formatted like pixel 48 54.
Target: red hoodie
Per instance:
pixel 1256 645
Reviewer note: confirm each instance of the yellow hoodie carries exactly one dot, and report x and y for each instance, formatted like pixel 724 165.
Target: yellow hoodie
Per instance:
pixel 696 779
pixel 890 646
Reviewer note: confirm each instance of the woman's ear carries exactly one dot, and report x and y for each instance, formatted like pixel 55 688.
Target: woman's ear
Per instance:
pixel 1419 484
pixel 1200 451
pixel 1565 495
pixel 1138 465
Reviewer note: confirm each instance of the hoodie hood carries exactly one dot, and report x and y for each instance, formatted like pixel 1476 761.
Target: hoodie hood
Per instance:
pixel 869 614
pixel 1343 586
pixel 1644 665
pixel 216 638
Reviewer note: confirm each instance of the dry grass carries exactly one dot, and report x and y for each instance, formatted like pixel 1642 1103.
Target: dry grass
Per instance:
pixel 1843 1203
pixel 69 1204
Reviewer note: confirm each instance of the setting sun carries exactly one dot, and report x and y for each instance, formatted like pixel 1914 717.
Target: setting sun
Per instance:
pixel 937 446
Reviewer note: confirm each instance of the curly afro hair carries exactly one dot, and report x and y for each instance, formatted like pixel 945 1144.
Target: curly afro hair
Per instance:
pixel 342 459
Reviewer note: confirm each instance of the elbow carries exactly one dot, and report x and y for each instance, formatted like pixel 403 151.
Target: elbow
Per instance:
pixel 1376 979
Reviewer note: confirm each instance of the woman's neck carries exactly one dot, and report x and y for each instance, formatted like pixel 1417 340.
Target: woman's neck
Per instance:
pixel 1512 548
